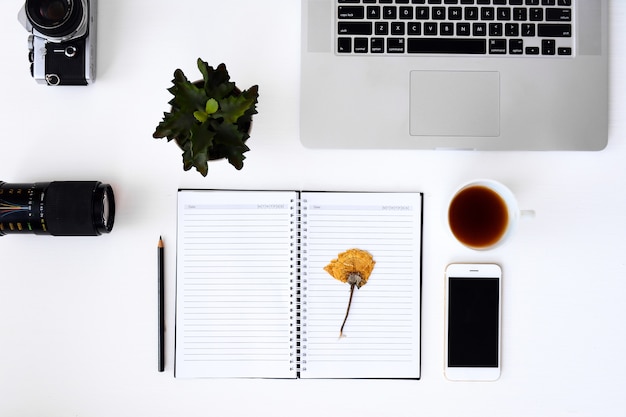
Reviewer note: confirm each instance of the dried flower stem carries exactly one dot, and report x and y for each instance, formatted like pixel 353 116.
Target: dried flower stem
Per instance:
pixel 354 279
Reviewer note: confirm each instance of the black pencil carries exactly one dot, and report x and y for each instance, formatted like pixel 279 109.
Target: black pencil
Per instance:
pixel 161 305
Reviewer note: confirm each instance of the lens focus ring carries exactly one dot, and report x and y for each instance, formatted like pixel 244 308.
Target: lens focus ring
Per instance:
pixel 69 208
pixel 55 18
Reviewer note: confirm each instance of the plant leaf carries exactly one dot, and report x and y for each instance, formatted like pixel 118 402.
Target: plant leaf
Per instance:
pixel 201 141
pixel 230 142
pixel 216 81
pixel 211 106
pixel 187 97
pixel 175 125
pixel 187 157
pixel 201 116
pixel 201 138
pixel 200 161
pixel 233 107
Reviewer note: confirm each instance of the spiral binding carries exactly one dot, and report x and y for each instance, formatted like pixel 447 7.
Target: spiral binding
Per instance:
pixel 303 280
pixel 296 289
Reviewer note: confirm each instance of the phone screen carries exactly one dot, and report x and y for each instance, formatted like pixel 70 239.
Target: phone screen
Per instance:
pixel 473 322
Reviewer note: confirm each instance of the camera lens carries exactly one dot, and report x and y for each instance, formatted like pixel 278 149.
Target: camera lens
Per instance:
pixel 58 208
pixel 53 11
pixel 55 18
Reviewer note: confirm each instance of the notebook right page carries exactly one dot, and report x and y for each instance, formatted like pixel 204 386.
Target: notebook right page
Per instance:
pixel 381 336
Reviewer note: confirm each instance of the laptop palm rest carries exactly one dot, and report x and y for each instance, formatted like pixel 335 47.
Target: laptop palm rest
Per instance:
pixel 455 103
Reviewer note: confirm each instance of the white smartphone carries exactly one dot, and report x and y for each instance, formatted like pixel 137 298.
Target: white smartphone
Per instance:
pixel 473 322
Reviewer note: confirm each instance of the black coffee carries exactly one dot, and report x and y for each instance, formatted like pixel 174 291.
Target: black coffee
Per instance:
pixel 478 217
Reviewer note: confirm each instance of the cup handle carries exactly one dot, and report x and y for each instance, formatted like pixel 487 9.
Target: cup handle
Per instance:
pixel 529 214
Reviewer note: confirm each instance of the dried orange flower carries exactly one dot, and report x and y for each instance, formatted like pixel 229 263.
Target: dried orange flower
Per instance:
pixel 354 267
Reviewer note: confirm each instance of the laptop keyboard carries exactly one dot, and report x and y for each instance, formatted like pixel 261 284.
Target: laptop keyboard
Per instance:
pixel 456 27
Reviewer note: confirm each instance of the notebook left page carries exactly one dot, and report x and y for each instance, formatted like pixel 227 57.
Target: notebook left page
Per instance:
pixel 234 292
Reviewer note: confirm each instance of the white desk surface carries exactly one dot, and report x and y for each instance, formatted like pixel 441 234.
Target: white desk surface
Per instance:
pixel 78 334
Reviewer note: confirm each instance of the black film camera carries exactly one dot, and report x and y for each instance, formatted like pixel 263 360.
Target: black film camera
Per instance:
pixel 62 44
pixel 58 208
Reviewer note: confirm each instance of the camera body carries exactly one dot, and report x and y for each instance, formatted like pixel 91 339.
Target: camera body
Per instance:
pixel 62 44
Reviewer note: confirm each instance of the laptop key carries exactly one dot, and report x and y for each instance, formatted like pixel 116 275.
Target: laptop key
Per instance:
pixel 520 14
pixel 528 29
pixel 430 29
pixel 548 47
pixel 390 12
pixel 495 29
pixel 532 50
pixel 406 13
pixel 344 45
pixel 398 28
pixel 395 45
pixel 381 28
pixel 415 28
pixel 373 12
pixel 558 15
pixel 516 46
pixel 422 13
pixel 463 29
pixel 446 29
pixel 446 46
pixel 549 30
pixel 377 45
pixel 497 46
pixel 355 28
pixel 564 51
pixel 361 45
pixel 536 14
pixel 511 29
pixel 351 12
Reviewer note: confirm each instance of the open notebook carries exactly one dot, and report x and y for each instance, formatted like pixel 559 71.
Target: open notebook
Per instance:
pixel 253 299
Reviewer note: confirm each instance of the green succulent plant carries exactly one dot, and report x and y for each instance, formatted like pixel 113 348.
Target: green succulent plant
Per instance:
pixel 210 118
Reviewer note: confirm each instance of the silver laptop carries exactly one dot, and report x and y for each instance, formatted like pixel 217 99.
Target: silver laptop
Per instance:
pixel 455 74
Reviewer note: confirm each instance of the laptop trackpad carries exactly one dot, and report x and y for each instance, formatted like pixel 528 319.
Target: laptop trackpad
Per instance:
pixel 455 103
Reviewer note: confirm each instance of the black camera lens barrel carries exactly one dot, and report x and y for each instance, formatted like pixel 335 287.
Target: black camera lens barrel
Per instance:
pixel 58 208
pixel 55 18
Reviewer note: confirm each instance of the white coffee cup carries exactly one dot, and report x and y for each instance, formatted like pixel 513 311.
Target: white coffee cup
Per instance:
pixel 483 214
